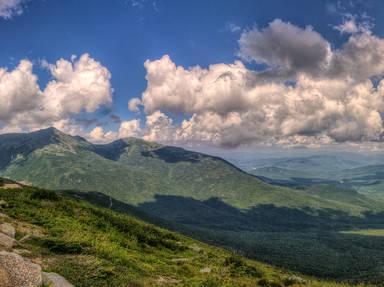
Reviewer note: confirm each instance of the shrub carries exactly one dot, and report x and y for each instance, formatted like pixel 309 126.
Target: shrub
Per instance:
pixel 240 268
pixel 44 195
pixel 211 282
pixel 63 247
pixel 269 283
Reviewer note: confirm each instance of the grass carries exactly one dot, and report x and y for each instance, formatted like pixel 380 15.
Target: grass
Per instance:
pixel 92 246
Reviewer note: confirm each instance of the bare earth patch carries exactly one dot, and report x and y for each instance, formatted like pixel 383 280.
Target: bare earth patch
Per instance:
pixel 11 186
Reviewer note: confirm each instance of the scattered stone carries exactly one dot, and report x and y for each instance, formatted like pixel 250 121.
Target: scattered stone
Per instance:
pixel 294 280
pixel 3 203
pixel 164 280
pixel 8 229
pixel 7 241
pixel 196 248
pixel 55 280
pixel 180 260
pixel 17 272
pixel 206 270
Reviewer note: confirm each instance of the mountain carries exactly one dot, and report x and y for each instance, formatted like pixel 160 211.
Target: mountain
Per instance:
pixel 92 246
pixel 135 171
pixel 207 198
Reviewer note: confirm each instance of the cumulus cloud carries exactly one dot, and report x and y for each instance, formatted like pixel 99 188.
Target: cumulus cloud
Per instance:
pixel 348 26
pixel 18 89
pixel 79 86
pixel 286 47
pixel 330 96
pixel 133 105
pixel 10 8
pixel 307 94
pixel 129 129
pixel 355 24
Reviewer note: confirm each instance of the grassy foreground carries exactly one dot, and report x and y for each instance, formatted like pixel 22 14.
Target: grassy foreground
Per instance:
pixel 91 246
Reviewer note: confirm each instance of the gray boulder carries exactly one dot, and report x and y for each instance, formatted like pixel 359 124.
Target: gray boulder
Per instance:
pixel 55 280
pixel 8 229
pixel 6 241
pixel 17 272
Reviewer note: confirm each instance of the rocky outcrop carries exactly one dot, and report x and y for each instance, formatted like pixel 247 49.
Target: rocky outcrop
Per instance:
pixel 6 241
pixel 15 271
pixel 55 280
pixel 7 229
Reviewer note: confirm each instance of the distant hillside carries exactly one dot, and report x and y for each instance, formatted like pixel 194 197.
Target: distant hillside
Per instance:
pixel 364 173
pixel 92 246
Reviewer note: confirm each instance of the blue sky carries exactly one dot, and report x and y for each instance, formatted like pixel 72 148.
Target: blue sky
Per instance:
pixel 123 34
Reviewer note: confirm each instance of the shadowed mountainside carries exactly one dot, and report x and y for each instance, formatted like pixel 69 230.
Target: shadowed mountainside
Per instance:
pixel 309 241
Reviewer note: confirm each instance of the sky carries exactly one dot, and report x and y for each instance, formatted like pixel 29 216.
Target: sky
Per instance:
pixel 221 73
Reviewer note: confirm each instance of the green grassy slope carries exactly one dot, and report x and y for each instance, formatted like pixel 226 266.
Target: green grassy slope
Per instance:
pixel 92 246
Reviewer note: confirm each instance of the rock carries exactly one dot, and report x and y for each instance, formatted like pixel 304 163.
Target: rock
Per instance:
pixel 25 238
pixel 196 248
pixel 22 251
pixel 55 280
pixel 17 272
pixel 8 229
pixel 180 260
pixel 294 280
pixel 206 270
pixel 7 241
pixel 164 280
pixel 3 203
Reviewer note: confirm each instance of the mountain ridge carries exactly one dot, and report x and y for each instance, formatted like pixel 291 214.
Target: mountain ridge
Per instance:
pixel 205 197
pixel 134 171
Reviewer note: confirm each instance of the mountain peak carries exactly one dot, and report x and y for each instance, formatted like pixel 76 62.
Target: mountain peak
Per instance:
pixel 49 131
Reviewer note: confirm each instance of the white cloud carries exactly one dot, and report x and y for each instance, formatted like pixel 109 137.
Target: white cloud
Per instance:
pixel 83 85
pixel 308 94
pixel 129 129
pixel 18 89
pixel 331 97
pixel 232 27
pixel 286 48
pixel 10 8
pixel 80 85
pixel 133 105
pixel 348 26
pixel 355 24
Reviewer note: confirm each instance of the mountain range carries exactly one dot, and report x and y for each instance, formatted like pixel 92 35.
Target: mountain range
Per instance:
pixel 208 198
